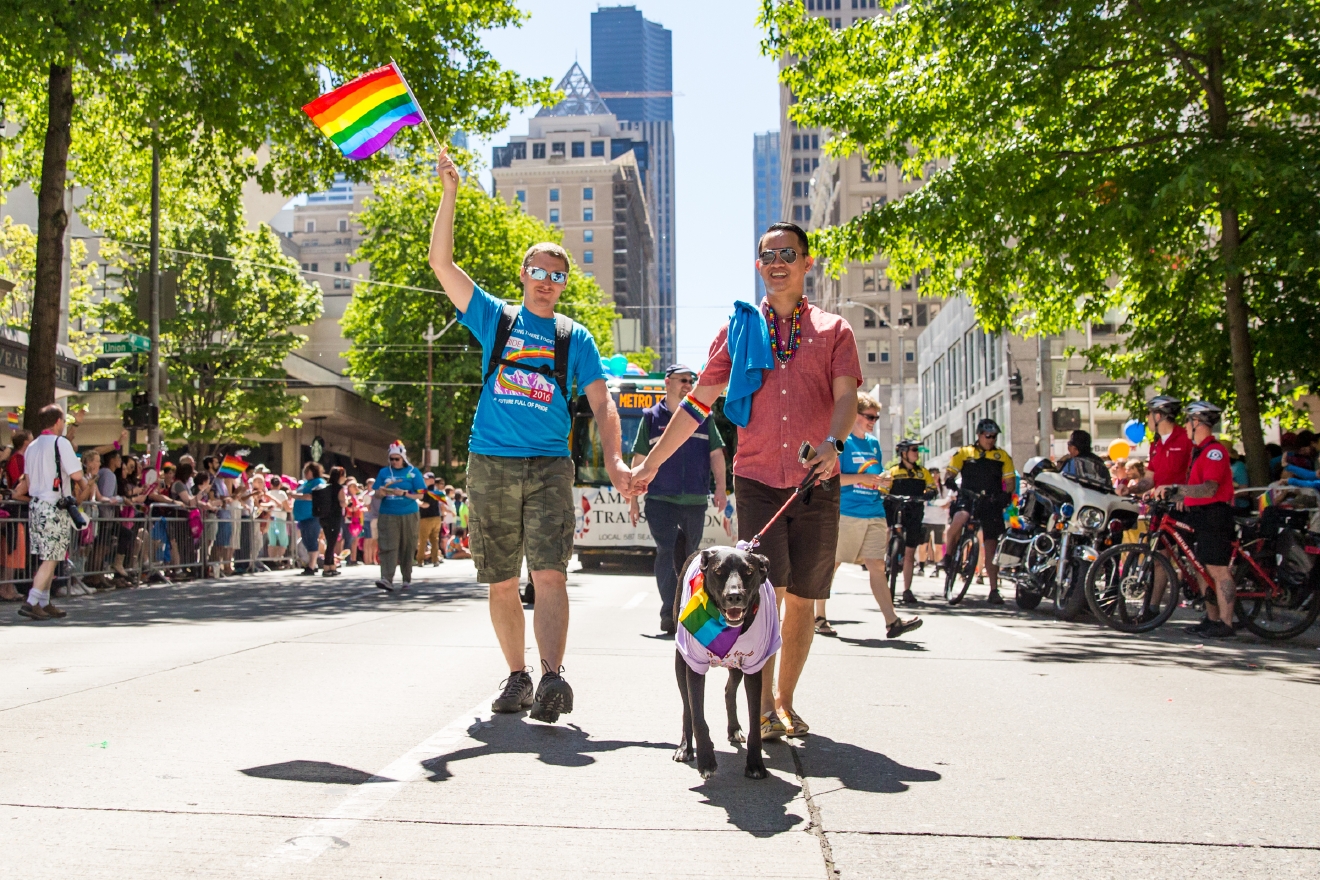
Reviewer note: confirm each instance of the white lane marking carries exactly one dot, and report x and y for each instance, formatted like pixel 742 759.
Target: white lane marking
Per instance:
pixel 635 601
pixel 1002 629
pixel 370 797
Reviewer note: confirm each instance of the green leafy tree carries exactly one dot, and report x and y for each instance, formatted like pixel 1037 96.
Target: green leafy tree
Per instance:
pixel 1155 157
pixel 238 298
pixel 386 324
pixel 165 74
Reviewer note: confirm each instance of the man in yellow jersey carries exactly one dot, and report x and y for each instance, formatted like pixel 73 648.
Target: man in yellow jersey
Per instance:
pixel 911 486
pixel 988 480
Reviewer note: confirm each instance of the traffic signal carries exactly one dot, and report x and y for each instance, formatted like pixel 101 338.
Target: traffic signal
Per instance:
pixel 141 414
pixel 1015 386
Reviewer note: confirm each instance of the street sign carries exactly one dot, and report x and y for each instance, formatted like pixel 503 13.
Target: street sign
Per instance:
pixel 130 344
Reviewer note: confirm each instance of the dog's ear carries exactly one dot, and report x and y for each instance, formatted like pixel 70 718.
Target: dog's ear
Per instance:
pixel 707 556
pixel 764 563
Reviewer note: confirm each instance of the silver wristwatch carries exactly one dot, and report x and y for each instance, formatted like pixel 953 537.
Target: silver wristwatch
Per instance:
pixel 838 444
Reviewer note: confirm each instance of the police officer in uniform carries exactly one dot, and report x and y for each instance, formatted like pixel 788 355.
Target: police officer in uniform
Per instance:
pixel 985 469
pixel 911 487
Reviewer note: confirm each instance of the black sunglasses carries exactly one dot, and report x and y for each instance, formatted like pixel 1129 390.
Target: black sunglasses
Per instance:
pixel 787 254
pixel 870 417
pixel 539 274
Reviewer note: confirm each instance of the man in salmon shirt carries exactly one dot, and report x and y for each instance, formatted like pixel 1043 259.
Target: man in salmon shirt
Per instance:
pixel 1207 495
pixel 805 389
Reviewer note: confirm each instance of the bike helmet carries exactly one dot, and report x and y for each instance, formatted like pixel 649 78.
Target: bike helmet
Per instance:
pixel 1167 406
pixel 908 443
pixel 1206 413
pixel 987 426
pixel 1037 465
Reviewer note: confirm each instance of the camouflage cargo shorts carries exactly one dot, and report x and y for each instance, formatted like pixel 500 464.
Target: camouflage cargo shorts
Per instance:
pixel 519 506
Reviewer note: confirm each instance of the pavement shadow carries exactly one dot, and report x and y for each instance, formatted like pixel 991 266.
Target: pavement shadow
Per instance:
pixel 890 644
pixel 1164 648
pixel 757 806
pixel 561 746
pixel 252 598
pixel 313 771
pixel 857 768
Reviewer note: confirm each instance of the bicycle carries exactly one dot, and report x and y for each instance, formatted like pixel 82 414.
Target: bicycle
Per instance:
pixel 896 552
pixel 1123 587
pixel 966 554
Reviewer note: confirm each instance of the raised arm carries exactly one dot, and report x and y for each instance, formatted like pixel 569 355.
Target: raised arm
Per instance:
pixel 455 282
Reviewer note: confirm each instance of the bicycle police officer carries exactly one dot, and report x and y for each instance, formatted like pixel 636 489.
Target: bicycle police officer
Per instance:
pixel 911 487
pixel 988 470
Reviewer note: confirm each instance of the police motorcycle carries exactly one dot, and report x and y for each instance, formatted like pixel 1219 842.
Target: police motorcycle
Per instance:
pixel 1065 521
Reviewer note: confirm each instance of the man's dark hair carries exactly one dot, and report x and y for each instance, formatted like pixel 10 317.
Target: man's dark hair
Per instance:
pixel 1306 438
pixel 109 457
pixel 1080 439
pixel 208 461
pixel 48 415
pixel 315 468
pixel 786 226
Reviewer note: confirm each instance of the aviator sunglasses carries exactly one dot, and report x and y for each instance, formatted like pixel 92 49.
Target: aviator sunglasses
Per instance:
pixel 787 254
pixel 539 274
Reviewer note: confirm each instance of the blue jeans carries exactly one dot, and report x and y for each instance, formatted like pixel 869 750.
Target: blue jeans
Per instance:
pixel 664 518
pixel 309 531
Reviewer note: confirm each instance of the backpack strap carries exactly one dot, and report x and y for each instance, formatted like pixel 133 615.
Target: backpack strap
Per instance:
pixel 563 337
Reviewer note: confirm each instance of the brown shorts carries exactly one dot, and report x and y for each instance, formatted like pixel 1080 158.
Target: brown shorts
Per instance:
pixel 800 545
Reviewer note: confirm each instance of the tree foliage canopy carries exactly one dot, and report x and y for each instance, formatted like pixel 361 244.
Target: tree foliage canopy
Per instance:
pixel 1156 157
pixel 386 324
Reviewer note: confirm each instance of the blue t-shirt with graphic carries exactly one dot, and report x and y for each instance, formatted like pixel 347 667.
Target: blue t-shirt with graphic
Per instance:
pixel 409 479
pixel 861 455
pixel 521 413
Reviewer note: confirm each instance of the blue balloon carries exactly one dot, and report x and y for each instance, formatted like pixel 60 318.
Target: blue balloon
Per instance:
pixel 1135 431
pixel 619 365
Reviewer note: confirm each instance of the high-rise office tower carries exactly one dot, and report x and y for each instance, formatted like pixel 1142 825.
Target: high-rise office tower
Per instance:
pixel 765 187
pixel 632 67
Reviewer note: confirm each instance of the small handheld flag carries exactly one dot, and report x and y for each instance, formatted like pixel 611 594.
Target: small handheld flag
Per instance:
pixel 232 466
pixel 362 116
pixel 12 418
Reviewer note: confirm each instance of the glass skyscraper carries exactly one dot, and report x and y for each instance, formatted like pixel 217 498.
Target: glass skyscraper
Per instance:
pixel 765 187
pixel 632 68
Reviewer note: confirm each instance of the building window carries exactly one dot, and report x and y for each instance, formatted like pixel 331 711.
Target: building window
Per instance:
pixel 909 351
pixel 304 267
pixel 554 195
pixel 554 215
pixel 868 319
pixel 309 226
pixel 316 267
pixel 588 214
pixel 884 351
pixel 815 163
pixel 868 282
pixel 589 235
pixel 588 256
pixel 337 269
pixel 797 166
pixel 797 213
pixel 556 148
pixel 521 196
pixel 797 142
pixel 598 148
pixel 343 226
pixel 538 151
pixel 872 352
pixel 588 193
pixel 797 189
pixel 579 149
pixel 921 314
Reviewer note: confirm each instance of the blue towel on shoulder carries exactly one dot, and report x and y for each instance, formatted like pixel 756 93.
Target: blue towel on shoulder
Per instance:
pixel 749 354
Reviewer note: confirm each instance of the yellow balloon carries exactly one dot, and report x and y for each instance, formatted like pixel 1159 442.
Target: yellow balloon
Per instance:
pixel 1119 449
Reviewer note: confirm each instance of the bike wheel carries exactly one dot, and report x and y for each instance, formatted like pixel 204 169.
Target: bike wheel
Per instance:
pixel 1120 588
pixel 1070 594
pixel 1027 599
pixel 968 553
pixel 894 562
pixel 1283 616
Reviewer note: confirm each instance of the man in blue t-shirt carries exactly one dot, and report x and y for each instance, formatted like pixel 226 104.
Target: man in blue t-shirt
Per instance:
pixel 863 531
pixel 520 476
pixel 399 486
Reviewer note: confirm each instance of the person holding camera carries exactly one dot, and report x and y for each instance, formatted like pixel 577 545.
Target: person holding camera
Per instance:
pixel 52 467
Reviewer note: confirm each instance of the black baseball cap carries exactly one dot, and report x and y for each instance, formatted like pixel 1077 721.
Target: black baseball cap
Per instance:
pixel 679 368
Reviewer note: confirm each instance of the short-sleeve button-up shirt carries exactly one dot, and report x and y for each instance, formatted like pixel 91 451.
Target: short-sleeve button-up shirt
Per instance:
pixel 796 399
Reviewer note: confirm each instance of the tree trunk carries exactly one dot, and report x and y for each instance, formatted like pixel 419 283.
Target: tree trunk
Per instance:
pixel 52 221
pixel 1239 340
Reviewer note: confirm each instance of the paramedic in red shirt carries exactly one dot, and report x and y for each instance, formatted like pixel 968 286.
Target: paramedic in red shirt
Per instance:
pixel 1207 498
pixel 1170 451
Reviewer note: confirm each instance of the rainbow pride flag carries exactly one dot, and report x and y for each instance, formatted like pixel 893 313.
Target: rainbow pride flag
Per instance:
pixel 13 419
pixel 701 618
pixel 232 466
pixel 435 496
pixel 361 116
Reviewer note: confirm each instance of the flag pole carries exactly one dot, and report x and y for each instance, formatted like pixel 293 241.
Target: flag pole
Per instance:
pixel 416 103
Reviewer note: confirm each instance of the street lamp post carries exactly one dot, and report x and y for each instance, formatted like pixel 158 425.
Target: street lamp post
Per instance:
pixel 153 356
pixel 430 337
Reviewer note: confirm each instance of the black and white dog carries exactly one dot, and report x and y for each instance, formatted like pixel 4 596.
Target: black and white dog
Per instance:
pixel 733 580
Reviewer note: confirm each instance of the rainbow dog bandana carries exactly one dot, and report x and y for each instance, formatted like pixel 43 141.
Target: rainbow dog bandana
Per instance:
pixel 705 639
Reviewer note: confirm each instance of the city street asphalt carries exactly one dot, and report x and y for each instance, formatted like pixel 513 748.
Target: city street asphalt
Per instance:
pixel 280 726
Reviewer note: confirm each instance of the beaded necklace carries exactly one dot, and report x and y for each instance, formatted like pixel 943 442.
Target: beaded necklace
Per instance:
pixel 784 351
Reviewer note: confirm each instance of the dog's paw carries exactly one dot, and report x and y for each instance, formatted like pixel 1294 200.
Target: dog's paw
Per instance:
pixel 706 763
pixel 706 772
pixel 736 737
pixel 683 754
pixel 756 771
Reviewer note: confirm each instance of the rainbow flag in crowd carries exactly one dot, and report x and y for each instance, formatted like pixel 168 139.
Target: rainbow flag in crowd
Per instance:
pixel 435 496
pixel 361 116
pixel 232 466
pixel 701 618
pixel 13 419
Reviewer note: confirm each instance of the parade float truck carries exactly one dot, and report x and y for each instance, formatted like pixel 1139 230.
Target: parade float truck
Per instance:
pixel 605 531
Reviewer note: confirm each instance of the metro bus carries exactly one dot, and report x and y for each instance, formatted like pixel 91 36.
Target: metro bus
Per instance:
pixel 604 528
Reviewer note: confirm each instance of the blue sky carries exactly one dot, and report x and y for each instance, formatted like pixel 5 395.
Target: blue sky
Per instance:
pixel 725 91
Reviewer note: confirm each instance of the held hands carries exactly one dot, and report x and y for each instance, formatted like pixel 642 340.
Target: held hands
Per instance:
pixel 621 477
pixel 447 170
pixel 642 475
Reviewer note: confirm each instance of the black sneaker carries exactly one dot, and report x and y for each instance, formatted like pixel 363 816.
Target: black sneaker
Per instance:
pixel 1218 630
pixel 306 571
pixel 382 584
pixel 553 696
pixel 994 598
pixel 908 598
pixel 517 693
pixel 900 626
pixel 667 625
pixel 1198 629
